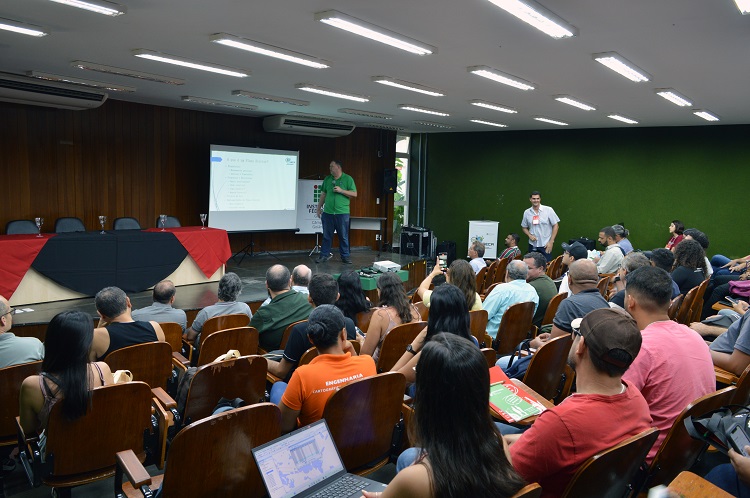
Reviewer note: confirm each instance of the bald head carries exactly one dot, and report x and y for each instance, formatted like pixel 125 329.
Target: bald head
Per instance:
pixel 164 291
pixel 301 276
pixel 277 278
pixel 6 321
pixel 583 274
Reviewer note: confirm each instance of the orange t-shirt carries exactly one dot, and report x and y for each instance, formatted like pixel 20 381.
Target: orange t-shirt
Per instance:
pixel 311 385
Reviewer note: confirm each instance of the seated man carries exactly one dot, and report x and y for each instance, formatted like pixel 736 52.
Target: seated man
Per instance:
pixel 230 287
pixel 476 253
pixel 286 307
pixel 572 252
pixel 664 259
pixel 336 365
pixel 514 290
pixel 301 275
pixel 16 350
pixel 603 412
pixel 545 287
pixel 511 250
pixel 610 260
pixel 731 350
pixel 630 263
pixel 117 329
pixel 162 310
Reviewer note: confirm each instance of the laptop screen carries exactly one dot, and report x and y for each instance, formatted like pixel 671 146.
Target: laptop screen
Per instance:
pixel 298 461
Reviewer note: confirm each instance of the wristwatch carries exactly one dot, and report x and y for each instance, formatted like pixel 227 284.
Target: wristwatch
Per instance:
pixel 410 349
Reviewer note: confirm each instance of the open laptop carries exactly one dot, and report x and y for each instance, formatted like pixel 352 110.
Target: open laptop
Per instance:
pixel 306 463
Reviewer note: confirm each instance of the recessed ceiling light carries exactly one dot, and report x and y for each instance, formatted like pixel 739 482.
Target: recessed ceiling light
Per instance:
pixel 269 50
pixel 101 68
pixel 501 77
pixel 541 18
pixel 80 81
pixel 373 32
pixel 707 115
pixel 330 93
pixel 179 61
pixel 489 123
pixel 406 85
pixel 100 7
pixel 673 96
pixel 624 119
pixel 426 110
pixel 219 103
pixel 383 126
pixel 567 99
pixel 493 106
pixel 621 65
pixel 743 6
pixel 367 114
pixel 270 98
pixel 434 124
pixel 22 28
pixel 550 121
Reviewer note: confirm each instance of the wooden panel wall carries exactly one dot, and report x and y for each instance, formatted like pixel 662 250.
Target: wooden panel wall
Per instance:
pixel 126 159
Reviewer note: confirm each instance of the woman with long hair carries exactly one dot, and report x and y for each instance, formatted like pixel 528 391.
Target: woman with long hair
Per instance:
pixel 459 450
pixel 689 267
pixel 352 299
pixel 66 373
pixel 460 274
pixel 394 310
pixel 675 229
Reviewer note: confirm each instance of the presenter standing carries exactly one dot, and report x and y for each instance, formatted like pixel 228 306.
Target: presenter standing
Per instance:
pixel 540 224
pixel 333 210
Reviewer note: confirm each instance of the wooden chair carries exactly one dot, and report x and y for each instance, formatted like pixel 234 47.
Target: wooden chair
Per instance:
pixel 554 303
pixel 223 322
pixel 603 285
pixel 362 416
pixel 553 266
pixel 422 309
pixel 480 278
pixel 489 277
pixel 611 473
pixel 243 339
pixel 514 327
pixel 11 379
pixel 172 335
pixel 499 276
pixel 674 306
pixel 697 306
pixel 490 355
pixel 150 362
pixel 532 490
pixel 489 290
pixel 570 377
pixel 287 333
pixel 395 343
pixel 221 442
pixel 685 313
pixel 689 485
pixel 742 395
pixel 545 371
pixel 478 323
pixel 363 319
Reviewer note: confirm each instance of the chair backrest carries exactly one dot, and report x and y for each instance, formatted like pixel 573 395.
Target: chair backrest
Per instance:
pixel 533 490
pixel 697 306
pixel 395 343
pixel 287 333
pixel 150 362
pixel 674 306
pixel 15 227
pixel 480 278
pixel 117 419
pixel 685 313
pixel 362 416
pixel 545 371
pixel 478 322
pixel 514 327
pixel 611 473
pixel 570 377
pixel 243 339
pixel 172 222
pixel 172 335
pixel 363 319
pixel 551 267
pixel 69 225
pixel 126 223
pixel 10 388
pixel 603 284
pixel 243 378
pixel 422 309
pixel 223 322
pixel 499 276
pixel 490 356
pixel 222 442
pixel 489 278
pixel 679 451
pixel 742 395
pixel 554 303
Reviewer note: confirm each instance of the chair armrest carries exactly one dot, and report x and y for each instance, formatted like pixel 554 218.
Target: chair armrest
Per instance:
pixel 408 400
pixel 128 462
pixel 165 400
pixel 188 346
pixel 272 378
pixel 165 418
pixel 724 377
pixel 262 351
pixel 180 361
pixel 29 455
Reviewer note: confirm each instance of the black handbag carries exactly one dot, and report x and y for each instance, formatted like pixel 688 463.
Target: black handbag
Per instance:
pixel 723 428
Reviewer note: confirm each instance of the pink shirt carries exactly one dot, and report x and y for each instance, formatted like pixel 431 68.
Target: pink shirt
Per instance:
pixel 672 370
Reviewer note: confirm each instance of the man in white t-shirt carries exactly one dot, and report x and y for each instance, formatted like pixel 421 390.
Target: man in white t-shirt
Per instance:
pixel 540 224
pixel 476 253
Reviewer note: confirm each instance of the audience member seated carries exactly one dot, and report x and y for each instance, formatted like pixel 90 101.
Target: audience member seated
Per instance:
pixel 630 263
pixel 230 287
pixel 722 265
pixel 731 350
pixel 441 425
pixel 543 285
pixel 674 367
pixel 718 288
pixel 460 274
pixel 66 373
pixel 162 310
pixel 675 230
pixel 476 253
pixel 336 365
pixel 702 239
pixel 572 252
pixel 621 237
pixel 117 329
pixel 514 290
pixel 352 299
pixel 664 259
pixel 394 310
pixel 733 477
pixel 301 275
pixel 511 250
pixel 689 265
pixel 715 325
pixel 603 412
pixel 611 258
pixel 15 350
pixel 286 307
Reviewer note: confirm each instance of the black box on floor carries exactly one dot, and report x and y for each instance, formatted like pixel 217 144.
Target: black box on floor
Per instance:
pixel 417 242
pixel 589 244
pixel 448 247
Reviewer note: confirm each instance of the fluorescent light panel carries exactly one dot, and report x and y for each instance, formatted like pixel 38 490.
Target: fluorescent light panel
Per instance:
pixel 101 68
pixel 21 28
pixel 270 98
pixel 489 123
pixel 406 85
pixel 567 99
pixel 219 103
pixel 707 115
pixel 743 6
pixel 80 81
pixel 179 61
pixel 434 124
pixel 539 17
pixel 621 65
pixel 624 119
pixel 373 32
pixel 426 110
pixel 106 8
pixel 367 114
pixel 673 96
pixel 330 93
pixel 550 121
pixel 493 106
pixel 269 50
pixel 501 77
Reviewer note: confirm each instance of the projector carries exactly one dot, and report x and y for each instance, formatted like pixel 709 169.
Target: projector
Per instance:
pixel 386 266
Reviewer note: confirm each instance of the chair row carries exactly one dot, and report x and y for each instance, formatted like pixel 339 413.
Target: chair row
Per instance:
pixel 72 224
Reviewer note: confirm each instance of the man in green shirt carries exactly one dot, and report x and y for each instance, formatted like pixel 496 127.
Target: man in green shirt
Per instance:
pixel 543 285
pixel 333 211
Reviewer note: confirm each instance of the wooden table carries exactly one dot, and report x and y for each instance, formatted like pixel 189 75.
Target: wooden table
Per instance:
pixel 690 485
pixel 538 397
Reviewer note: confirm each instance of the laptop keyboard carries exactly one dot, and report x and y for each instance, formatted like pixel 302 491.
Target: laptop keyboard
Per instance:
pixel 343 487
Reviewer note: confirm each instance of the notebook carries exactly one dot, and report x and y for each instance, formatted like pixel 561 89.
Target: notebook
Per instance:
pixel 306 463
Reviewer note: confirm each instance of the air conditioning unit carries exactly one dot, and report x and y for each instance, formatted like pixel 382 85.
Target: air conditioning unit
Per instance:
pixel 31 91
pixel 307 126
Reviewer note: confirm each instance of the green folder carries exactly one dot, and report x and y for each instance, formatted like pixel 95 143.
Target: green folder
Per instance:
pixel 511 405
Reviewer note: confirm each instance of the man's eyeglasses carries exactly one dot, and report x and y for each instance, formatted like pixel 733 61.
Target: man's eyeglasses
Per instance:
pixel 11 311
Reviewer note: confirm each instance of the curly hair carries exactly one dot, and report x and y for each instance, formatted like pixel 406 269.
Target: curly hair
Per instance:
pixel 690 254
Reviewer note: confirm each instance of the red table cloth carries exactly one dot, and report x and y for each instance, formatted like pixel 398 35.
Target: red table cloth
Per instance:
pixel 209 248
pixel 18 252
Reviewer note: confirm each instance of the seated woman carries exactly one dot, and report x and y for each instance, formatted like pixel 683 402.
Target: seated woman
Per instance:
pixel 394 310
pixel 675 229
pixel 352 299
pixel 621 237
pixel 459 451
pixel 689 267
pixel 460 274
pixel 66 373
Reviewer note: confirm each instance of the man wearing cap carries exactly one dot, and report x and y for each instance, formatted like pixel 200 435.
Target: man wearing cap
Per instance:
pixel 674 367
pixel 602 413
pixel 573 252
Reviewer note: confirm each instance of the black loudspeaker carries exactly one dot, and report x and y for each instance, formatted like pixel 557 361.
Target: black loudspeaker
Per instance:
pixel 390 180
pixel 416 242
pixel 448 247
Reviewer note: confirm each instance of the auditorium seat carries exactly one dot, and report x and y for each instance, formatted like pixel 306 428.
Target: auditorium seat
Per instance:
pixel 150 362
pixel 395 343
pixel 515 326
pixel 126 223
pixel 243 339
pixel 63 225
pixel 172 222
pixel 16 227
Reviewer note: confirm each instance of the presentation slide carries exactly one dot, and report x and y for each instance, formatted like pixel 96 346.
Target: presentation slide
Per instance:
pixel 252 189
